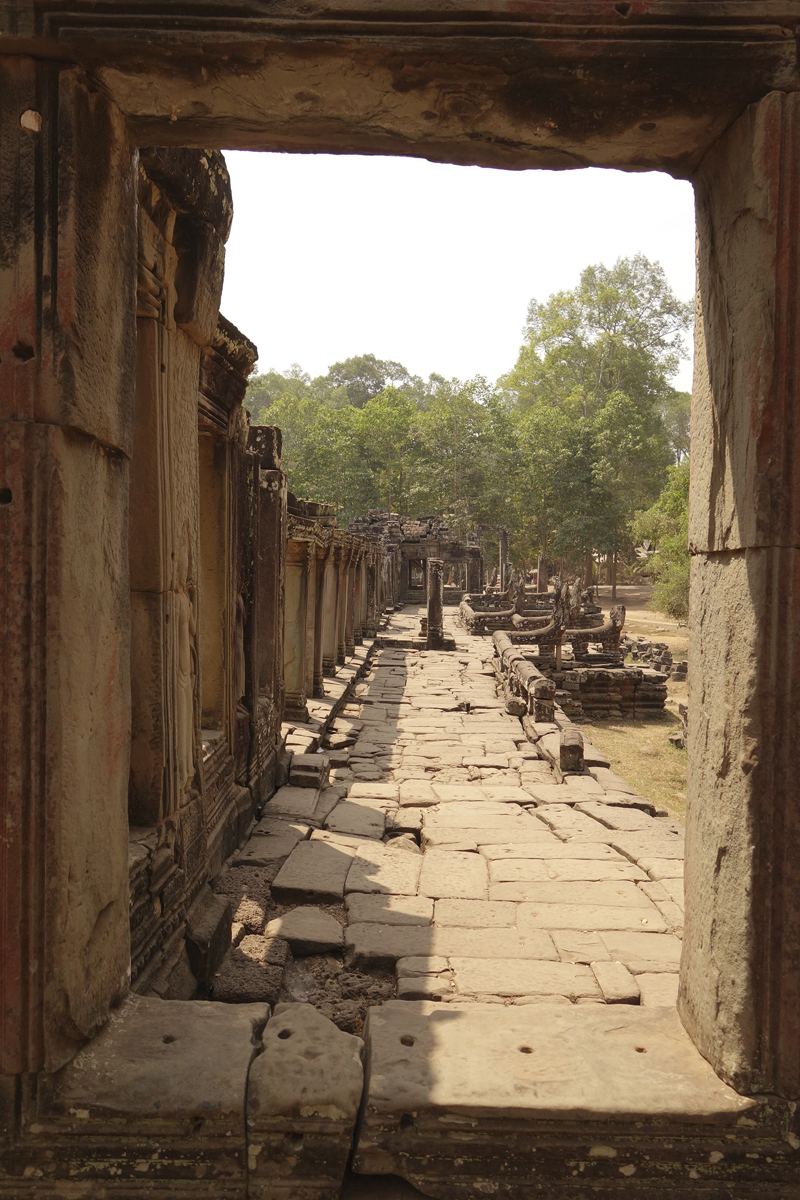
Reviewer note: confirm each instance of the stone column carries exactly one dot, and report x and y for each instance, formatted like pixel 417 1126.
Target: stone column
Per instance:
pixel 359 608
pixel 294 631
pixel 341 607
pixel 329 605
pixel 269 600
pixel 503 563
pixel 373 584
pixel 349 626
pixel 475 573
pixel 311 616
pixel 319 619
pixel 541 575
pixel 435 589
pixel 740 967
pixel 67 370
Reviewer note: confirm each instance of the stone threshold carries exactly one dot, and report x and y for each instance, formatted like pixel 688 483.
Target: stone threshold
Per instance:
pixel 198 1099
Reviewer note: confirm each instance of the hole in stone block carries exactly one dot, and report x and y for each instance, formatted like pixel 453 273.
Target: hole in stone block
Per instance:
pixel 167 1039
pixel 23 351
pixel 647 126
pixel 526 1050
pixel 407 1040
pixel 641 1050
pixel 5 496
pixel 624 10
pixel 284 1034
pixel 295 1139
pixel 406 1121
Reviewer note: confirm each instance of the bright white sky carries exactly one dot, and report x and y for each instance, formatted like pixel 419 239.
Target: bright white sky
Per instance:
pixel 430 265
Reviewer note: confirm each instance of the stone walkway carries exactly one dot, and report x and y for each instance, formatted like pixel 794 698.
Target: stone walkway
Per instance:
pixel 443 860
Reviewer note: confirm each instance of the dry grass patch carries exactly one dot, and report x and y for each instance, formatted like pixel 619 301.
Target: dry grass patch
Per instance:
pixel 641 753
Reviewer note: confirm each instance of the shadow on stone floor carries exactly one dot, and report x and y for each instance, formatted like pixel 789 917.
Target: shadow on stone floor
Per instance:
pixel 378 1187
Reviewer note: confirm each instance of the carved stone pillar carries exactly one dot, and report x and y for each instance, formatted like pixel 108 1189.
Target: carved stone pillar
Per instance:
pixel 475 573
pixel 67 366
pixel 341 606
pixel 435 589
pixel 177 311
pixel 311 616
pixel 358 605
pixel 294 626
pixel 349 626
pixel 740 967
pixel 503 557
pixel 372 585
pixel 268 601
pixel 329 610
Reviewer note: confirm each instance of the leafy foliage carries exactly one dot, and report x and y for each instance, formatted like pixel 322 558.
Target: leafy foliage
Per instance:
pixel 564 449
pixel 666 523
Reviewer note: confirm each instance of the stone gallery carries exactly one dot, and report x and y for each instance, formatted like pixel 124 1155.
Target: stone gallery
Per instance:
pixel 294 906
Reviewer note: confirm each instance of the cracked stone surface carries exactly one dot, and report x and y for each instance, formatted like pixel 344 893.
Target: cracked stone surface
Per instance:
pixel 446 839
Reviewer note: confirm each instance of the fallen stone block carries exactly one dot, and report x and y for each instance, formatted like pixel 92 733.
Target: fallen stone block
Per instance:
pixel 302 1102
pixel 308 930
pixel 314 871
pixel 208 933
pixel 658 990
pixel 252 971
pixel 616 982
pixel 309 770
pixel 294 803
pixel 570 757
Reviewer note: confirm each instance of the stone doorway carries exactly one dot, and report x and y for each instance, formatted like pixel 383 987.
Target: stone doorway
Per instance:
pixel 635 86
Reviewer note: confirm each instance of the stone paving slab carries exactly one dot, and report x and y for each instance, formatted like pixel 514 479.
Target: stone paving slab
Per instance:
pixel 384 869
pixel 658 990
pixel 535 915
pixel 616 982
pixel 559 870
pixel 359 819
pixel 475 914
pixel 389 910
pixel 644 953
pixel 579 946
pixel 517 977
pixel 454 875
pixel 314 871
pixel 585 1063
pixel 370 944
pixel 619 893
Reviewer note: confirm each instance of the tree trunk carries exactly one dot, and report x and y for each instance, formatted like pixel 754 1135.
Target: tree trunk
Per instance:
pixel 614 577
pixel 588 569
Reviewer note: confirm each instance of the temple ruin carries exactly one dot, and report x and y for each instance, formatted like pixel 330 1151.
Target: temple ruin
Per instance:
pixel 282 908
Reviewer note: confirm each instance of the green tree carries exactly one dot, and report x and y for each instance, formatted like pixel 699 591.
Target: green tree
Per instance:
pixel 666 524
pixel 620 329
pixel 364 376
pixel 387 428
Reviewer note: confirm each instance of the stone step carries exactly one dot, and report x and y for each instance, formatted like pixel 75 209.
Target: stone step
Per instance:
pixel 557 1100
